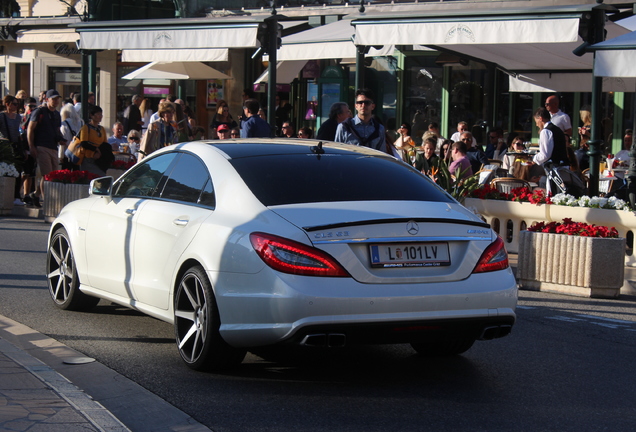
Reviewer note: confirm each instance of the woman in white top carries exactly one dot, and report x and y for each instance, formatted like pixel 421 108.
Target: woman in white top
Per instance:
pixel 71 125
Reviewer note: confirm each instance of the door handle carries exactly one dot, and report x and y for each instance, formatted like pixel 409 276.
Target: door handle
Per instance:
pixel 131 211
pixel 180 222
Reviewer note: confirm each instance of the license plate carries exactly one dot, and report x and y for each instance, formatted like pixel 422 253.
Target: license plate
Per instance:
pixel 409 255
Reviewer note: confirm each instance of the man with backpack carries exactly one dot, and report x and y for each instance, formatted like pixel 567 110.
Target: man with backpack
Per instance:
pixel 363 129
pixel 43 134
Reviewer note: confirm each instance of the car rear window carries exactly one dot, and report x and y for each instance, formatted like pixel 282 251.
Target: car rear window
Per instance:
pixel 305 178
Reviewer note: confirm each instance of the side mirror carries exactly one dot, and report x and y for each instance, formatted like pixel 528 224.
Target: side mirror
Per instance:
pixel 101 186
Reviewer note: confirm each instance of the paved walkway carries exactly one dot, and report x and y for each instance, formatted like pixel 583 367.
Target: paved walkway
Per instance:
pixel 45 386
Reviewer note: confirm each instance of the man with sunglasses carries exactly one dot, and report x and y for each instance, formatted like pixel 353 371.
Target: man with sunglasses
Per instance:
pixel 363 129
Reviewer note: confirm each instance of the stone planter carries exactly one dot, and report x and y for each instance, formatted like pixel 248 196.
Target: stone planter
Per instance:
pixel 7 188
pixel 57 195
pixel 572 265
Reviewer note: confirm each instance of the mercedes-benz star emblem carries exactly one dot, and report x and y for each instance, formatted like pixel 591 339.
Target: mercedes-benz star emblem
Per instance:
pixel 412 227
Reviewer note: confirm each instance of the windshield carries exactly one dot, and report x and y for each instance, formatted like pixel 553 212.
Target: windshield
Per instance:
pixel 305 178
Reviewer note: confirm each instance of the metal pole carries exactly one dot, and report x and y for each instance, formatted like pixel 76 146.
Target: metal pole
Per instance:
pixel 272 30
pixel 92 72
pixel 181 89
pixel 596 142
pixel 360 52
pixel 84 85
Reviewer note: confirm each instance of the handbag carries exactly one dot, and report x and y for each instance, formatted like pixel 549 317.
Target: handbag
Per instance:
pixel 19 152
pixel 78 150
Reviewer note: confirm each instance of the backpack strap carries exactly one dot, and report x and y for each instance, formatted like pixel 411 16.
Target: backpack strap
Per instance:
pixel 70 128
pixel 349 127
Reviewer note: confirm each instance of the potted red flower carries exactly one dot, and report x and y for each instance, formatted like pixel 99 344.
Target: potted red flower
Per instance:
pixel 574 258
pixel 61 187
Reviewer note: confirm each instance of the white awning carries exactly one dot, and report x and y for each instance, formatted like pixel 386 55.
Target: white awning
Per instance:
pixel 331 41
pixel 168 55
pixel 468 32
pixel 286 72
pixel 616 57
pixel 566 82
pixel 176 71
pixel 183 33
pixel 47 36
pixel 514 40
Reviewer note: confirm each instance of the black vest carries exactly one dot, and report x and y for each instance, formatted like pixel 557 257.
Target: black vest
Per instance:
pixel 559 152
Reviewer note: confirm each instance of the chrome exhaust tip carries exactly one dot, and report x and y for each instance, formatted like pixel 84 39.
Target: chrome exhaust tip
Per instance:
pixel 314 340
pixel 336 340
pixel 321 340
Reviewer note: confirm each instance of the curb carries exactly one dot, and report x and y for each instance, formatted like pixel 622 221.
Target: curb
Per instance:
pixel 110 401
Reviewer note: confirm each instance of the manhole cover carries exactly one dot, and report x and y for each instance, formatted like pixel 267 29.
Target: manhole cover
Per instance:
pixel 78 360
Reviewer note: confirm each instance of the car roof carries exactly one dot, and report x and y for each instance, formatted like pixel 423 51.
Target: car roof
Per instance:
pixel 250 147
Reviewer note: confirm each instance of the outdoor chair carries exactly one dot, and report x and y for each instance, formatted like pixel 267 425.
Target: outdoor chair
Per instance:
pixel 604 185
pixel 507 184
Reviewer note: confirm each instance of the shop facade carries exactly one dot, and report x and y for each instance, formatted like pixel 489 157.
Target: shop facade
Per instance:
pixel 426 77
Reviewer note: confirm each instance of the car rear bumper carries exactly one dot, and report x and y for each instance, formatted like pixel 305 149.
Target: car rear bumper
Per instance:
pixel 270 308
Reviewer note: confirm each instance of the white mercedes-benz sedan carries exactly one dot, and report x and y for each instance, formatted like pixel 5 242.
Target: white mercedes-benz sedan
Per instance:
pixel 250 243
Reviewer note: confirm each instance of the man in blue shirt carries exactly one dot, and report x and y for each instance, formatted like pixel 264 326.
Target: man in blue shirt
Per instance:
pixel 254 126
pixel 363 129
pixel 118 137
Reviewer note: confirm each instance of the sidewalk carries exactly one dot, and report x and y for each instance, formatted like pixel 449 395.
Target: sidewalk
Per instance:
pixel 49 387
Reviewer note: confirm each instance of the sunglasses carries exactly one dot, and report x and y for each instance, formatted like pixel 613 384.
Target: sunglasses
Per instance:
pixel 365 102
pixel 134 138
pixel 235 135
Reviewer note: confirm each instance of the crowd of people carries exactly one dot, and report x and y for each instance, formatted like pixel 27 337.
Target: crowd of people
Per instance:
pixel 46 138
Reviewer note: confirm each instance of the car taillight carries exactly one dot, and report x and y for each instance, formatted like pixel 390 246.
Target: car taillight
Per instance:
pixel 494 258
pixel 288 256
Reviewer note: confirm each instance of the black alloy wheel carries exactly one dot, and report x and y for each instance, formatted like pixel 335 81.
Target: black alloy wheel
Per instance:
pixel 197 322
pixel 62 277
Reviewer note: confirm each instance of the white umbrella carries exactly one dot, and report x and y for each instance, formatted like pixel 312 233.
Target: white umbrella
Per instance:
pixel 176 71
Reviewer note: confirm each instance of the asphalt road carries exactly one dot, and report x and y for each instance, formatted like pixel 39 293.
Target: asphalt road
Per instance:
pixel 568 365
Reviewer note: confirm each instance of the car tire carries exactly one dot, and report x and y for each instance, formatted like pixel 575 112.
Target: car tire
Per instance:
pixel 62 277
pixel 196 325
pixel 447 347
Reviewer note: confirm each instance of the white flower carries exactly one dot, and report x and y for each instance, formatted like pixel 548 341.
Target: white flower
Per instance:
pixel 561 199
pixel 597 202
pixel 584 201
pixel 617 203
pixel 7 170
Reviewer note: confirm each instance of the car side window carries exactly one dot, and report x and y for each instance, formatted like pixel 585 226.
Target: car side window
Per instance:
pixel 187 180
pixel 144 180
pixel 208 198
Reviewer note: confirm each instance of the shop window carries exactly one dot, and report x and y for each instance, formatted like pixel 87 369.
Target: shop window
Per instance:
pixel 424 81
pixel 68 80
pixel 522 115
pixel 3 82
pixel 115 10
pixel 386 94
pixel 468 97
